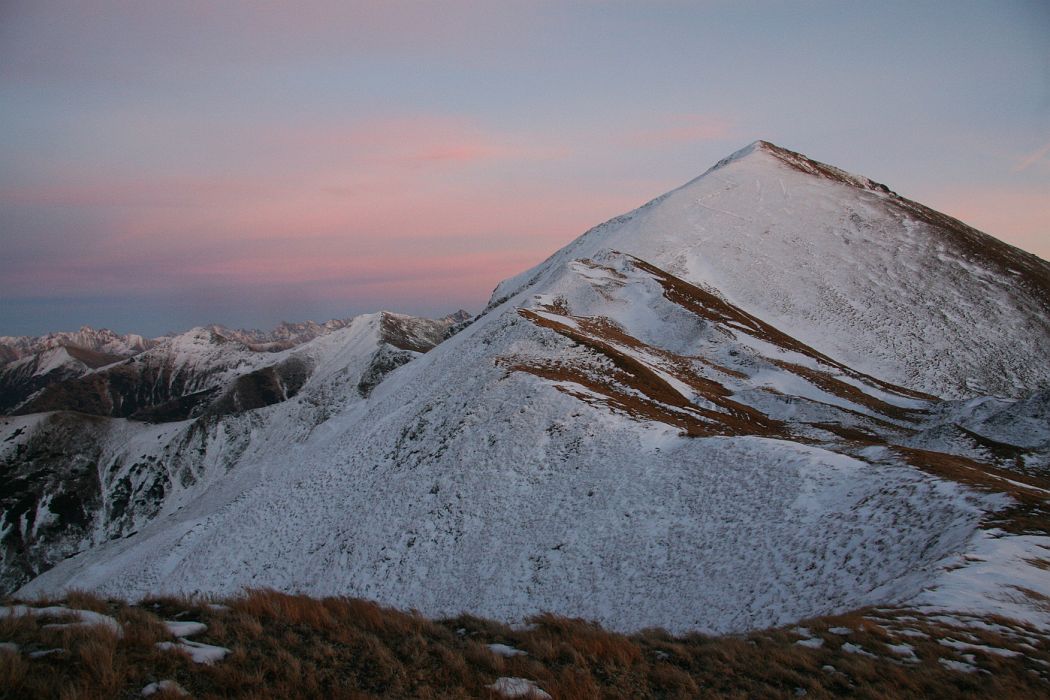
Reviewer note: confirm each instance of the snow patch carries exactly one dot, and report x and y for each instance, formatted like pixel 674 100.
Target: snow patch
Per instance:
pixel 166 685
pixel 200 653
pixel 184 629
pixel 84 618
pixel 505 651
pixel 518 688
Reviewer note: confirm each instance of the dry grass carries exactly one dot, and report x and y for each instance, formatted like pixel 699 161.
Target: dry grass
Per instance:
pixel 839 388
pixel 285 646
pixel 709 306
pixel 629 385
pixel 1030 513
pixel 629 376
pixel 1025 488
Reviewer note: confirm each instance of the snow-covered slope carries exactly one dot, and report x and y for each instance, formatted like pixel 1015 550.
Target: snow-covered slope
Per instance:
pixel 204 371
pixel 30 364
pixel 102 341
pixel 23 377
pixel 70 480
pixel 874 280
pixel 696 416
pixel 288 335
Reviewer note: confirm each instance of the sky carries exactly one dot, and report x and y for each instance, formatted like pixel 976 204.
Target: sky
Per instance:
pixel 170 164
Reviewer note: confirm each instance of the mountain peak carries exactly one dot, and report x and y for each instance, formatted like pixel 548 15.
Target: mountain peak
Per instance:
pixel 759 146
pixel 804 164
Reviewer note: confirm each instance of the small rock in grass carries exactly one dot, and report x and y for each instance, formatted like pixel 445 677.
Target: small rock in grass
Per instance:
pixel 959 666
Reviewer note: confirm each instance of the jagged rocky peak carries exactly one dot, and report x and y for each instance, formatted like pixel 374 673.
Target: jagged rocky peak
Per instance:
pixel 206 370
pixel 285 335
pixel 458 317
pixel 414 333
pixel 199 336
pixel 102 341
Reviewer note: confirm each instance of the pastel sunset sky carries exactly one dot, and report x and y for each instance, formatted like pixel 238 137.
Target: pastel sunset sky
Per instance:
pixel 180 162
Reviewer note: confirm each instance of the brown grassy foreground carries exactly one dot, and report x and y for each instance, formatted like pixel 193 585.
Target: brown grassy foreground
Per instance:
pixel 285 646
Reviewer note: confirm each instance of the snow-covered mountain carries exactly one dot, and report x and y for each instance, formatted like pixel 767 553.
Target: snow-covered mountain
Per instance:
pixel 102 341
pixel 24 377
pixel 209 368
pixel 761 397
pixel 287 335
pixel 28 364
pixel 112 446
pixel 874 280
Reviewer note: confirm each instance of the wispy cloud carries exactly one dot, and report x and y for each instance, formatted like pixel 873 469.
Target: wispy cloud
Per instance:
pixel 1032 158
pixel 328 204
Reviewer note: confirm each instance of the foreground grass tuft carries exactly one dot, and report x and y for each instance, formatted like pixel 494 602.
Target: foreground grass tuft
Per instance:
pixel 288 646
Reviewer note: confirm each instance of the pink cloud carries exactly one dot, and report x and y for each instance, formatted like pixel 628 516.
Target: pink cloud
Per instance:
pixel 383 230
pixel 1032 158
pixel 415 139
pixel 375 207
pixel 96 190
pixel 338 274
pixel 279 162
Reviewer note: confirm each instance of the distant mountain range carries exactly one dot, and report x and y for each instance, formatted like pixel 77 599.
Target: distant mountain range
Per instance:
pixel 776 392
pixel 172 377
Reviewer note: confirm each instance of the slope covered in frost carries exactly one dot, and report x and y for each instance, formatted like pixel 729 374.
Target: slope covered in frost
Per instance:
pixel 102 341
pixel 70 480
pixel 695 416
pixel 874 280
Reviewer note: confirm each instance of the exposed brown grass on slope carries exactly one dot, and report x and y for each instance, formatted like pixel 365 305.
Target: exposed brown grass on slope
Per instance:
pixel 633 377
pixel 633 381
pixel 1030 512
pixel 633 387
pixel 285 646
pixel 711 307
pixel 1022 487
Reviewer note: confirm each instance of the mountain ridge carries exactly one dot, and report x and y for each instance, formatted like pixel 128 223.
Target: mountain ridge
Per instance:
pixel 719 412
